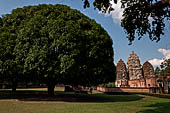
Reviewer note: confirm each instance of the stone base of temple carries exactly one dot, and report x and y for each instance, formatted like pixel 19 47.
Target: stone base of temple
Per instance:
pixel 152 84
pixel 122 83
pixel 131 90
pixel 124 86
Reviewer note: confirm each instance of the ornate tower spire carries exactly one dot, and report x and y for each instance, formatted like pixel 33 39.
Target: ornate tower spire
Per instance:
pixel 121 74
pixel 134 67
pixel 121 71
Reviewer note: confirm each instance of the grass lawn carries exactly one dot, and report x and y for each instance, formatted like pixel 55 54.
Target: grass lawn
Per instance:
pixel 37 101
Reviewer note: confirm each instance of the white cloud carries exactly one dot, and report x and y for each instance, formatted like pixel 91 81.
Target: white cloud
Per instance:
pixel 117 13
pixel 165 52
pixel 157 62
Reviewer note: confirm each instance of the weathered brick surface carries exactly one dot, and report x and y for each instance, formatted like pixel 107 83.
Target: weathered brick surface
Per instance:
pixel 121 74
pixel 121 71
pixel 148 70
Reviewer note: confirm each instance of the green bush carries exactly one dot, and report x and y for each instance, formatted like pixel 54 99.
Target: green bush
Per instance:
pixel 109 85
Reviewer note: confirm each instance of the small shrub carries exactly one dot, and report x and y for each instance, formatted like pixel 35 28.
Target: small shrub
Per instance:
pixel 108 85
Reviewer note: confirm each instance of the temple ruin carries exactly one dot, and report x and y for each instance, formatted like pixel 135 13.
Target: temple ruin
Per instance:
pixel 140 76
pixel 136 75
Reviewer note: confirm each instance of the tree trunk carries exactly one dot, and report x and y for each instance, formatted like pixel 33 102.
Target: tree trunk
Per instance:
pixel 51 89
pixel 14 85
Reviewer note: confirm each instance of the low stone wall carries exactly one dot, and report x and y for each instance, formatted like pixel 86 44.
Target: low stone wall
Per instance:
pixel 125 89
pixel 102 89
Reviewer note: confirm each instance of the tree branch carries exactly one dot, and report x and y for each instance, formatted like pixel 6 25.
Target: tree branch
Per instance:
pixel 159 4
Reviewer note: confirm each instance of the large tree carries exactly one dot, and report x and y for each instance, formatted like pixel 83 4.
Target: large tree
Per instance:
pixel 60 45
pixel 140 17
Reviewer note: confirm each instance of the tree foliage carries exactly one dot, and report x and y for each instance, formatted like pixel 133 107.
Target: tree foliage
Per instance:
pixel 140 17
pixel 165 67
pixel 9 68
pixel 157 72
pixel 58 45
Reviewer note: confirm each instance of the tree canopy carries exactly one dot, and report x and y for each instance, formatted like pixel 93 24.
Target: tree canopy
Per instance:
pixel 140 17
pixel 57 45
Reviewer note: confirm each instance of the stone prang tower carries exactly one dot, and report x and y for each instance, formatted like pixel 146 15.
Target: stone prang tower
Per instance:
pixel 148 70
pixel 121 74
pixel 134 67
pixel 121 71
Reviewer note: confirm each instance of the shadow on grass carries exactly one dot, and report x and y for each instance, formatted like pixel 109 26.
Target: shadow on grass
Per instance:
pixel 67 96
pixel 158 108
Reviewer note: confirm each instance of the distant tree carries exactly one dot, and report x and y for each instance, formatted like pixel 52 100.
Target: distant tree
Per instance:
pixel 59 45
pixel 139 16
pixel 165 67
pixel 157 71
pixel 0 21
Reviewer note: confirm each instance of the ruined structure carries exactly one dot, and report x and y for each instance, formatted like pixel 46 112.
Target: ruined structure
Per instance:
pixel 134 67
pixel 121 70
pixel 148 70
pixel 139 79
pixel 122 75
pixel 135 76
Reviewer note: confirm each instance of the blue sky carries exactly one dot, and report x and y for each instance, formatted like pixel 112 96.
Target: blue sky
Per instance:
pixel 145 48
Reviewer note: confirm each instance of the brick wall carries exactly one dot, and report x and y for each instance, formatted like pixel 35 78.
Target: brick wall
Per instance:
pixel 125 89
